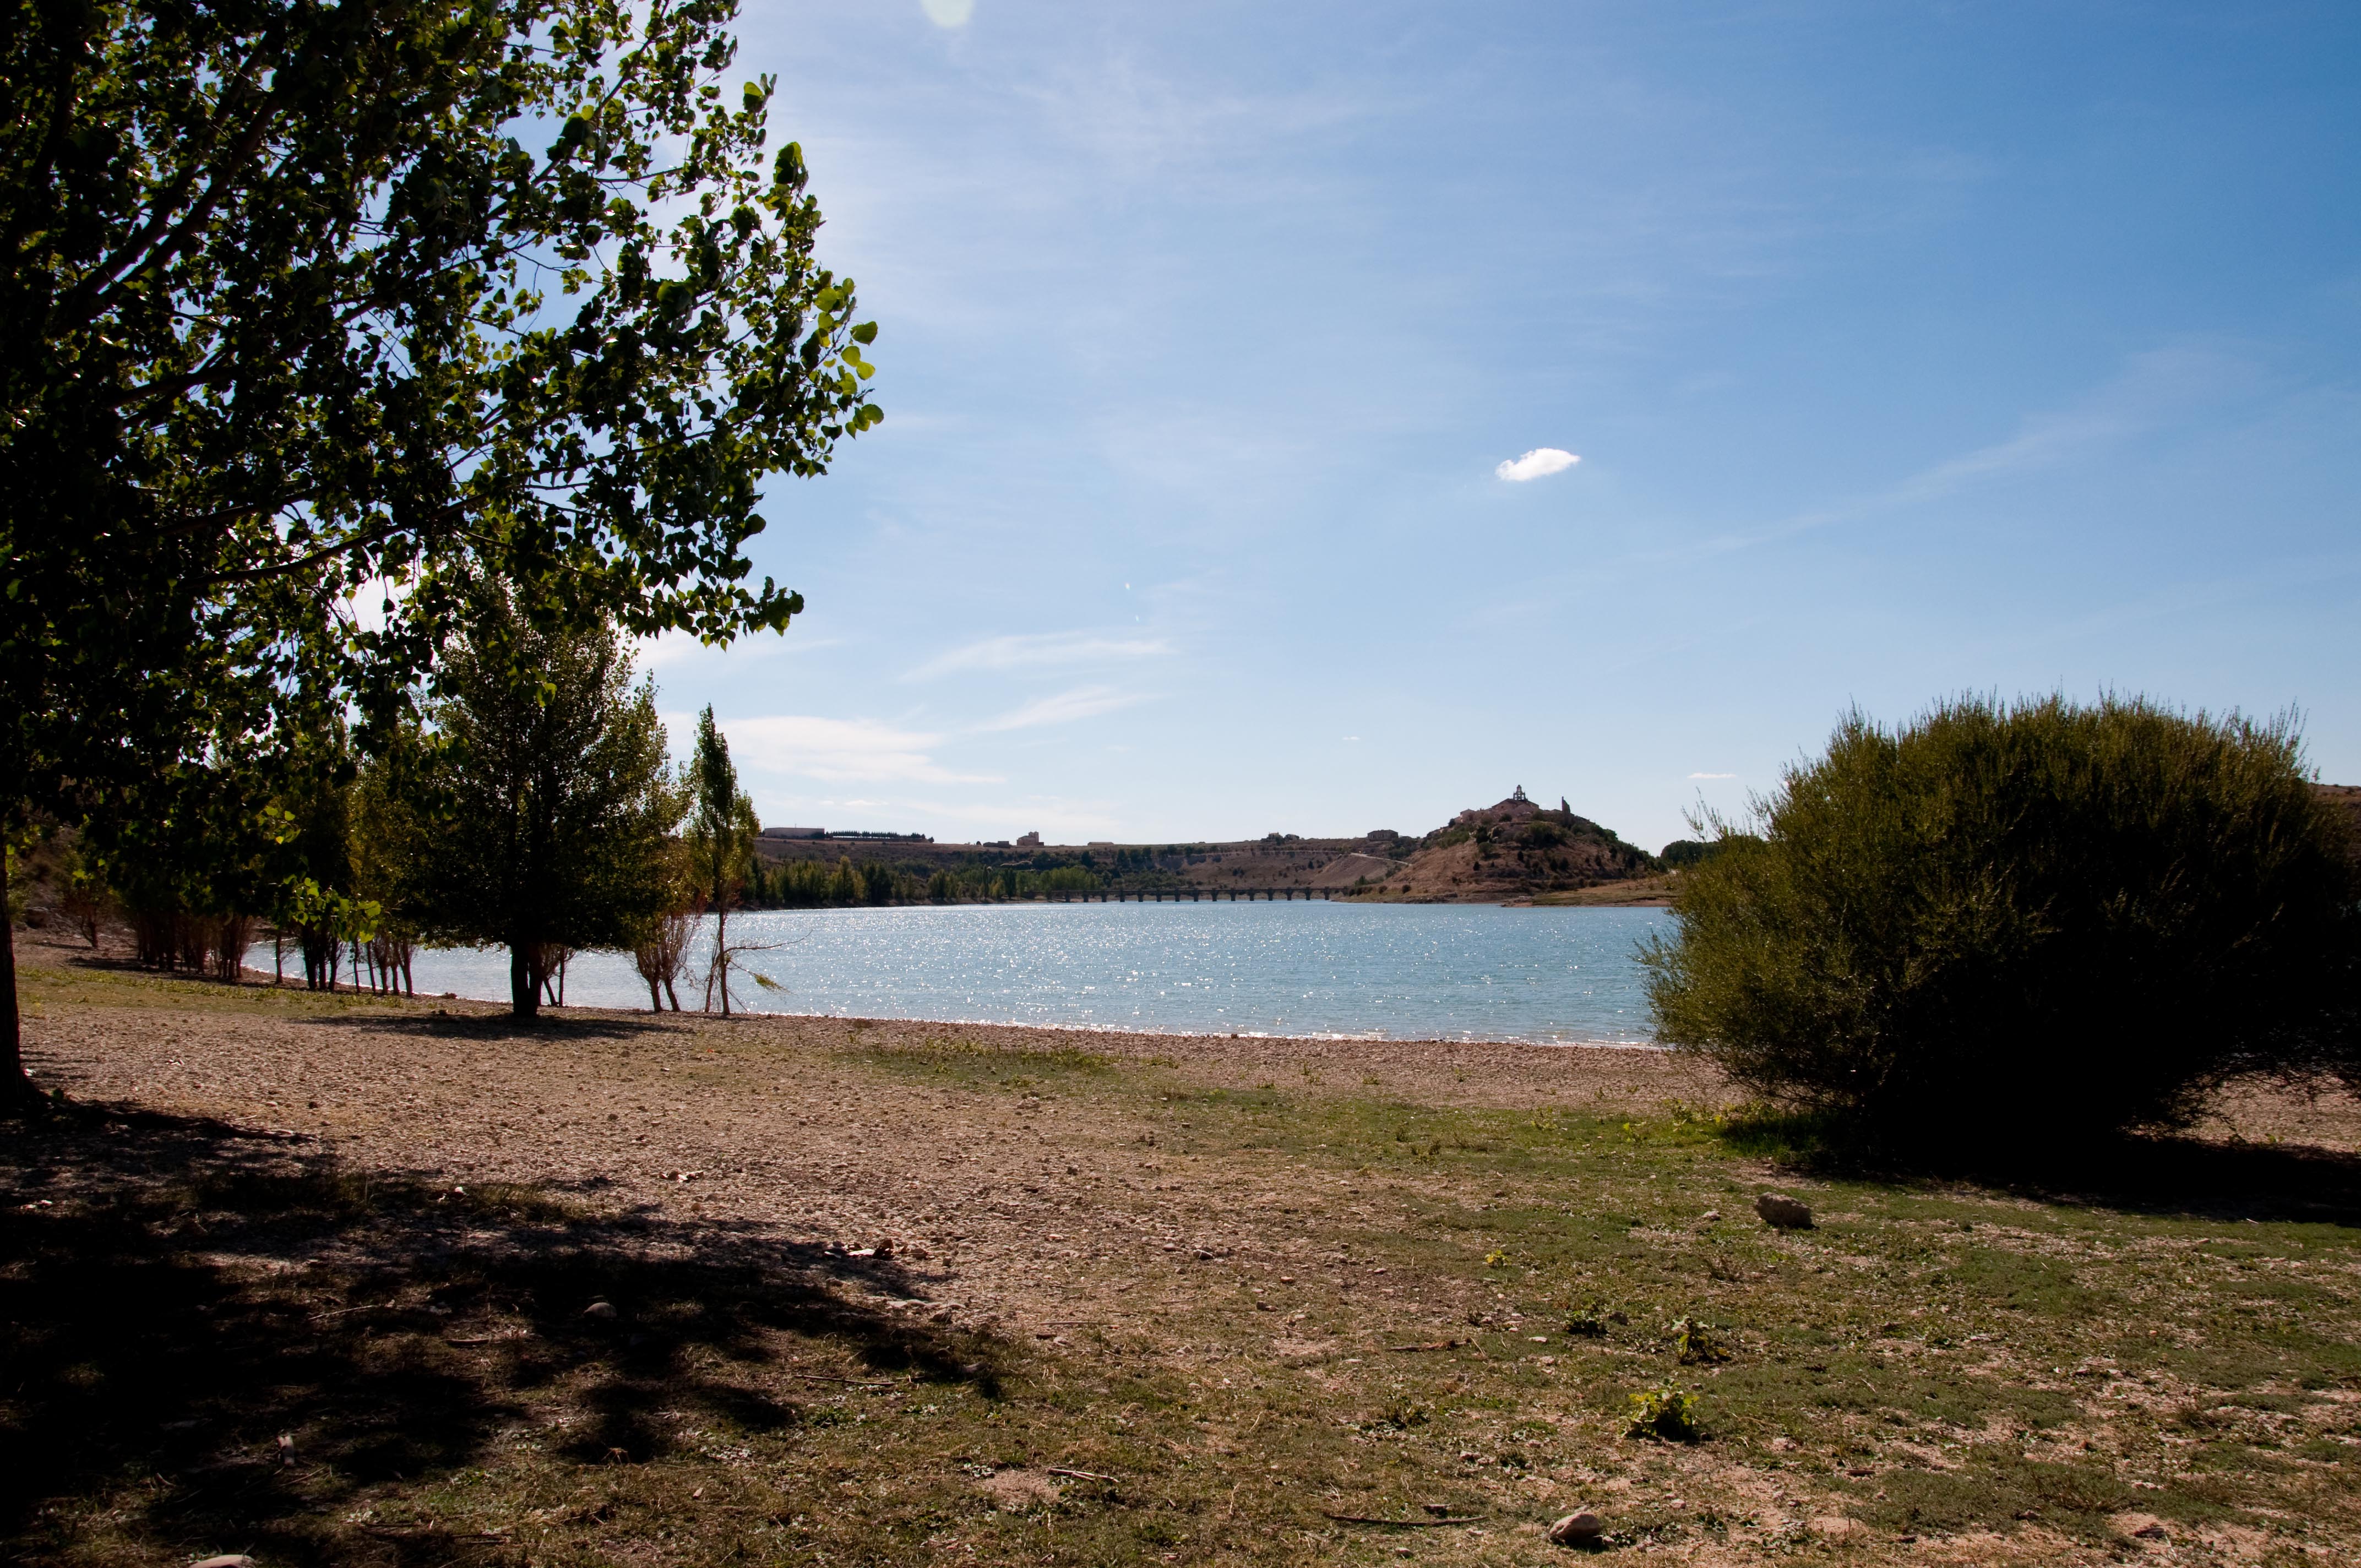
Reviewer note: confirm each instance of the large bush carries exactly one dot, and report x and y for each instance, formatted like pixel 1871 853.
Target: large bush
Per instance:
pixel 2009 923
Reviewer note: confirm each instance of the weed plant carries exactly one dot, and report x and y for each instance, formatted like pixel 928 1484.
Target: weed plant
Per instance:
pixel 1668 1414
pixel 2020 926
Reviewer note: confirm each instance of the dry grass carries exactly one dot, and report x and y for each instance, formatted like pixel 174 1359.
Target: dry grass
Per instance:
pixel 1181 1272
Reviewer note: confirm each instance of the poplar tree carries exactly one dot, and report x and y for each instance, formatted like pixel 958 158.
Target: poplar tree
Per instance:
pixel 548 802
pixel 721 840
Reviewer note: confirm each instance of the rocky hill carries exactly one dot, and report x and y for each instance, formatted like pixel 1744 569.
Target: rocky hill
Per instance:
pixel 1514 850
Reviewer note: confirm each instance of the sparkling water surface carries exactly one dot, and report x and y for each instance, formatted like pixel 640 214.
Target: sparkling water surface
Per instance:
pixel 1399 971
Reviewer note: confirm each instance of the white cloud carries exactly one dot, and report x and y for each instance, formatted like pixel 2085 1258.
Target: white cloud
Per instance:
pixel 675 651
pixel 1713 776
pixel 947 13
pixel 1082 702
pixel 1040 651
pixel 1533 465
pixel 846 749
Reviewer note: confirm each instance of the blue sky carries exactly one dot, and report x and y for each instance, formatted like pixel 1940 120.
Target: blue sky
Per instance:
pixel 1906 349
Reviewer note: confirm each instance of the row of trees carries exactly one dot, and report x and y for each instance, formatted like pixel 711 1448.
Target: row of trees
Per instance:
pixel 808 884
pixel 530 805
pixel 309 304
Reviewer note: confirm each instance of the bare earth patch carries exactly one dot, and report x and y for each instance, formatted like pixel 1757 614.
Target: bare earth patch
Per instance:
pixel 626 1288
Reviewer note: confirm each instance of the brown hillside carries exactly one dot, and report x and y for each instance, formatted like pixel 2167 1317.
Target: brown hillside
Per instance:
pixel 1514 850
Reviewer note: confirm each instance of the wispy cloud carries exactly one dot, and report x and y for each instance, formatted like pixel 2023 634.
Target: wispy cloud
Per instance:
pixel 1082 702
pixel 1713 776
pixel 1040 651
pixel 949 13
pixel 1535 465
pixel 853 749
pixel 2155 392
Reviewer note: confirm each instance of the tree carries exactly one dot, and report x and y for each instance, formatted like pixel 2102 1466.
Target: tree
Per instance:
pixel 660 947
pixel 548 797
pixel 2011 925
pixel 300 300
pixel 390 835
pixel 721 840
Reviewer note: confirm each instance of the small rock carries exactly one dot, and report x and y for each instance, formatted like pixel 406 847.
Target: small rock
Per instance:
pixel 228 1560
pixel 601 1309
pixel 1711 1215
pixel 1577 1530
pixel 1782 1212
pixel 883 1249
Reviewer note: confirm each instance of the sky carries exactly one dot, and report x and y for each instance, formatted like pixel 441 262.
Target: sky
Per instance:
pixel 1317 418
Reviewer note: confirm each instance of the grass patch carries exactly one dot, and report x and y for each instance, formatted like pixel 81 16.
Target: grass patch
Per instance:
pixel 982 1062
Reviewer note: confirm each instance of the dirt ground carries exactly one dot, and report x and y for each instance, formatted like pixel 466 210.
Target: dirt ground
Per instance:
pixel 768 1121
pixel 1097 1219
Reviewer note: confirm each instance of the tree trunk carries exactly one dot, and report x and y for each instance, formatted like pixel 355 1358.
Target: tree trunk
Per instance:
pixel 17 1091
pixel 721 950
pixel 525 986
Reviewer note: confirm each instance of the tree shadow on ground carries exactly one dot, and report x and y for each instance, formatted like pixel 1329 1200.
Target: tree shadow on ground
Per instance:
pixel 2201 1178
pixel 178 1295
pixel 2146 1173
pixel 428 1021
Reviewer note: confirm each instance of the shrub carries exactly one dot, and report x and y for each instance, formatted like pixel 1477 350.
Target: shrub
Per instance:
pixel 1667 1413
pixel 1696 1342
pixel 2011 924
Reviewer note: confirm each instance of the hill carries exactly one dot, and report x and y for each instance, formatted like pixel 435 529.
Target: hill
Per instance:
pixel 1512 851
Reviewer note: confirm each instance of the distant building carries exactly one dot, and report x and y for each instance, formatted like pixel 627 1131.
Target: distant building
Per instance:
pixel 1029 842
pixel 794 832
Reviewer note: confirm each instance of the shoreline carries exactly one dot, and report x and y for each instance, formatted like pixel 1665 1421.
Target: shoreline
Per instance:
pixel 264 980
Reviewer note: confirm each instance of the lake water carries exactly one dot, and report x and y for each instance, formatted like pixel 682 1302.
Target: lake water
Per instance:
pixel 1400 971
